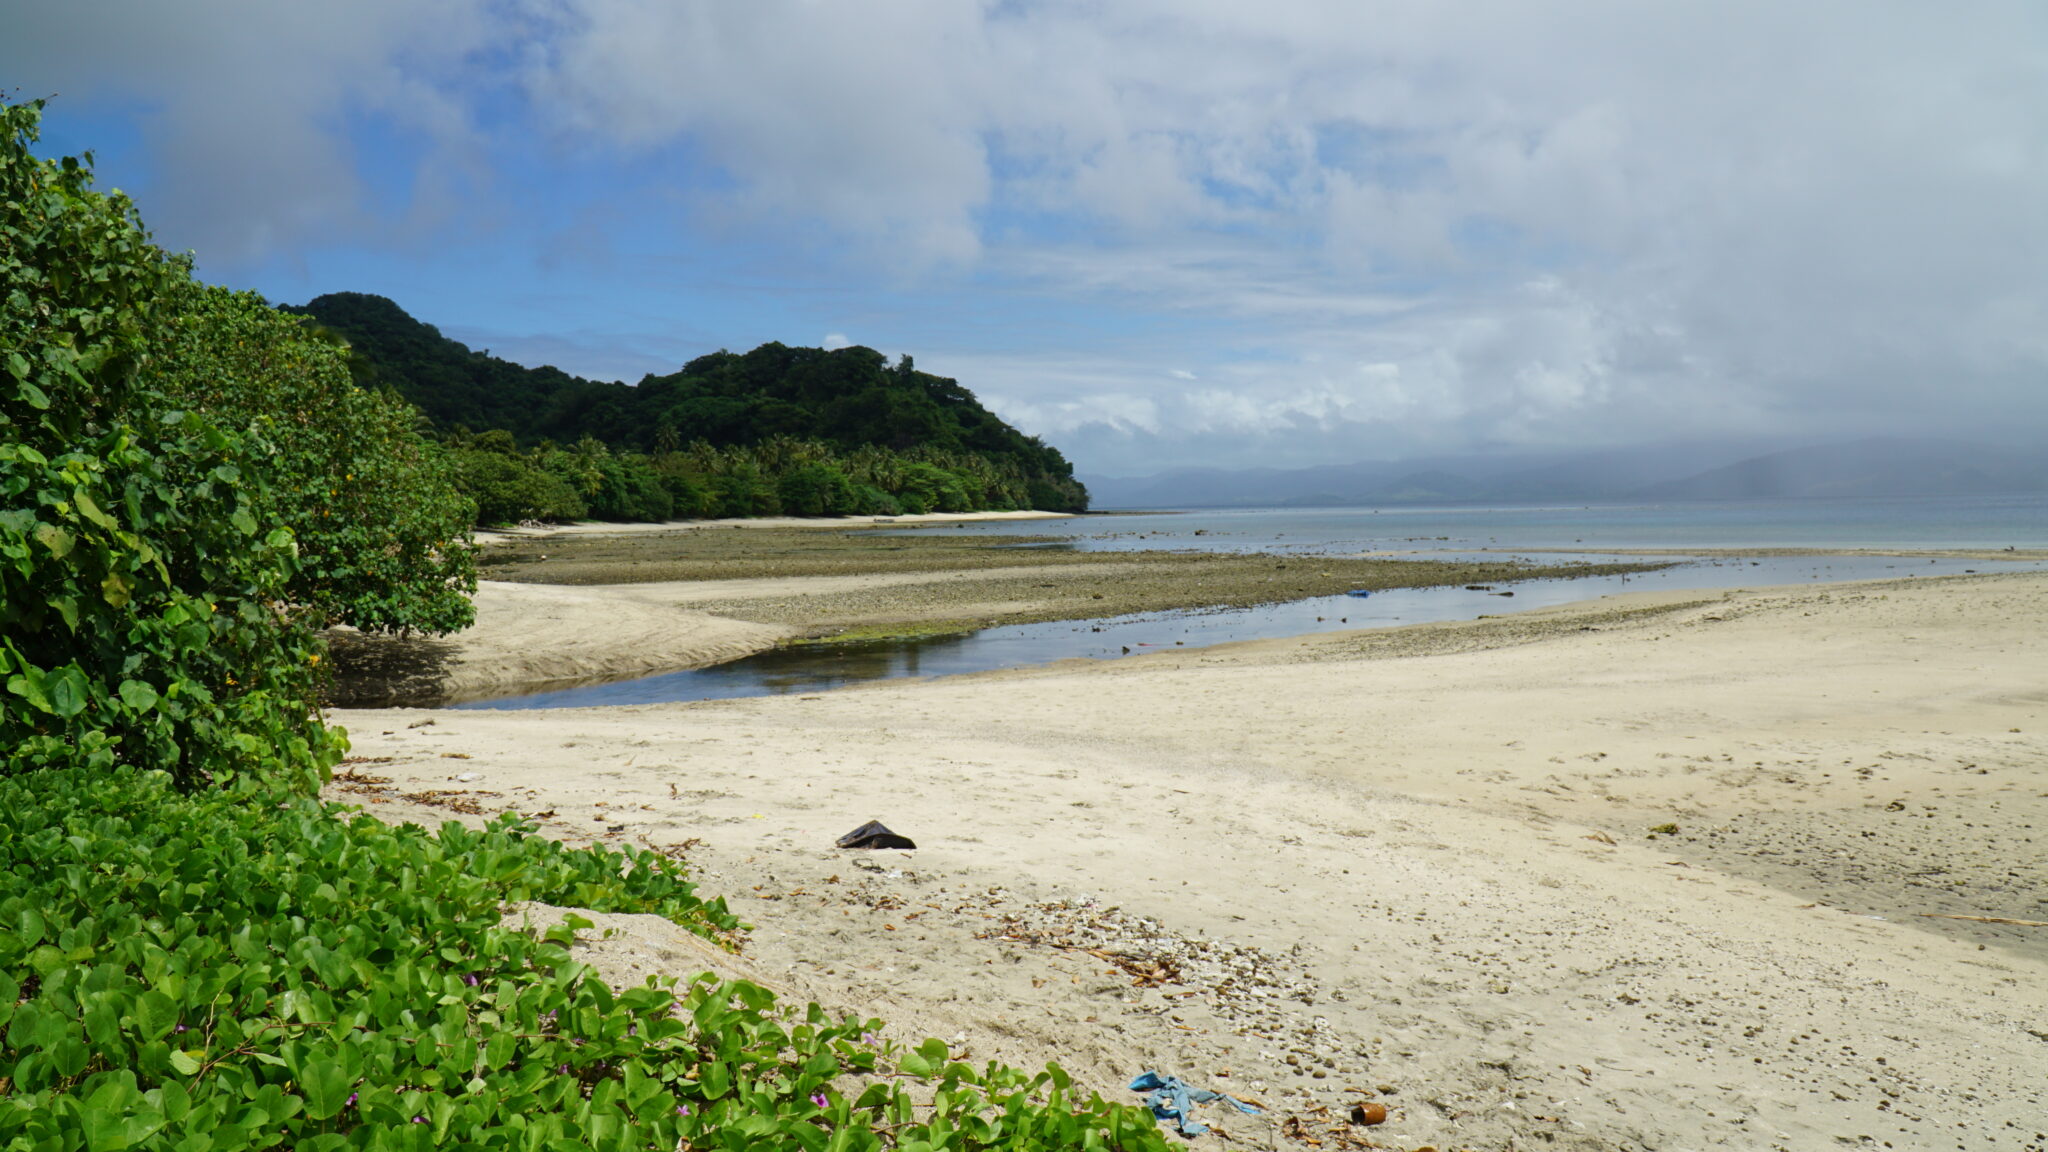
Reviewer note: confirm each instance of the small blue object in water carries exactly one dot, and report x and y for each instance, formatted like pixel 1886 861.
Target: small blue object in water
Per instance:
pixel 1361 593
pixel 1174 1100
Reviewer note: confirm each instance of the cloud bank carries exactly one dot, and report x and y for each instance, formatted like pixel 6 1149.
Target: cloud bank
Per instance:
pixel 1305 230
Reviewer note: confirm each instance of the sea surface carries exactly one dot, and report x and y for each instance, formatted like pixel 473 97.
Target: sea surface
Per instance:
pixel 1930 522
pixel 1547 533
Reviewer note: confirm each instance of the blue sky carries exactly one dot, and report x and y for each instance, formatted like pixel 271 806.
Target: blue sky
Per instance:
pixel 1159 234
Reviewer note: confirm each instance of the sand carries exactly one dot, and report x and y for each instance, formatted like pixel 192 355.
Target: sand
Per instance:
pixel 530 637
pixel 1645 873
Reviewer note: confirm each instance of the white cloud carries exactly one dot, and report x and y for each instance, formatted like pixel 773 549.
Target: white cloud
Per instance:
pixel 1387 223
pixel 850 114
pixel 246 99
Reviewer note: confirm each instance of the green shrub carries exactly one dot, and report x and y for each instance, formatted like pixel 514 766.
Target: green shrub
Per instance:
pixel 141 561
pixel 382 531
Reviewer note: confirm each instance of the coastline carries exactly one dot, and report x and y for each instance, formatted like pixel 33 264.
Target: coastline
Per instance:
pixel 489 536
pixel 1420 865
pixel 568 611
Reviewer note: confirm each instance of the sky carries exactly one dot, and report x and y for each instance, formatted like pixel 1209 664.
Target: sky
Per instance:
pixel 1158 234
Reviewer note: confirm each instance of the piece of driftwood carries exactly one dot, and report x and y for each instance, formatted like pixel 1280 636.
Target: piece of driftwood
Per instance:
pixel 1989 919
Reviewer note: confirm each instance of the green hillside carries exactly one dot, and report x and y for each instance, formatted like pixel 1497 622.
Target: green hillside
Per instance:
pixel 838 403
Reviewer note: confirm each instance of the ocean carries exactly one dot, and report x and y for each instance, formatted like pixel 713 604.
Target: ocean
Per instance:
pixel 1930 522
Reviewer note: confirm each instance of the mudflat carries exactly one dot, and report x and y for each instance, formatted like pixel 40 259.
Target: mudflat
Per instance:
pixel 1670 870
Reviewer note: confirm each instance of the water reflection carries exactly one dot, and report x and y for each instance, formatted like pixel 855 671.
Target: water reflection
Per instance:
pixel 822 667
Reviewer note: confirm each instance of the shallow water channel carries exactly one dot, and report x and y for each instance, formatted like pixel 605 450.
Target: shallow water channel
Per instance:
pixel 821 667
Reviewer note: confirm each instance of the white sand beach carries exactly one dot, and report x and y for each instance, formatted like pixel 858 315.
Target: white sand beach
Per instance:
pixel 1417 866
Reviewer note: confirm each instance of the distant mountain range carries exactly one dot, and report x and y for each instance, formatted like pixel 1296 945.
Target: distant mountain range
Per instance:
pixel 1664 473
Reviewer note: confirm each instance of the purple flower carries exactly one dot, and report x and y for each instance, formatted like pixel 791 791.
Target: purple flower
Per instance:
pixel 818 1098
pixel 682 1109
pixel 470 980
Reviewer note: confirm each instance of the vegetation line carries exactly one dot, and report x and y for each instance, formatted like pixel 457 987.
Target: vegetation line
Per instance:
pixel 195 952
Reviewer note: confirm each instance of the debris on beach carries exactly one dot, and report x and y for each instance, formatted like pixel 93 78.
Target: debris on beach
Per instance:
pixel 874 834
pixel 1173 1100
pixel 1258 995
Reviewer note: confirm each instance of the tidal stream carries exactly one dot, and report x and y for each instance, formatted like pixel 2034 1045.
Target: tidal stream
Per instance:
pixel 810 668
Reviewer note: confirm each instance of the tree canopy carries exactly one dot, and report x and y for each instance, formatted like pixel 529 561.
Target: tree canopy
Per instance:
pixel 846 399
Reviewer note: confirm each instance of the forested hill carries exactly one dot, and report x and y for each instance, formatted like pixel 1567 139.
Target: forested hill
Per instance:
pixel 847 397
